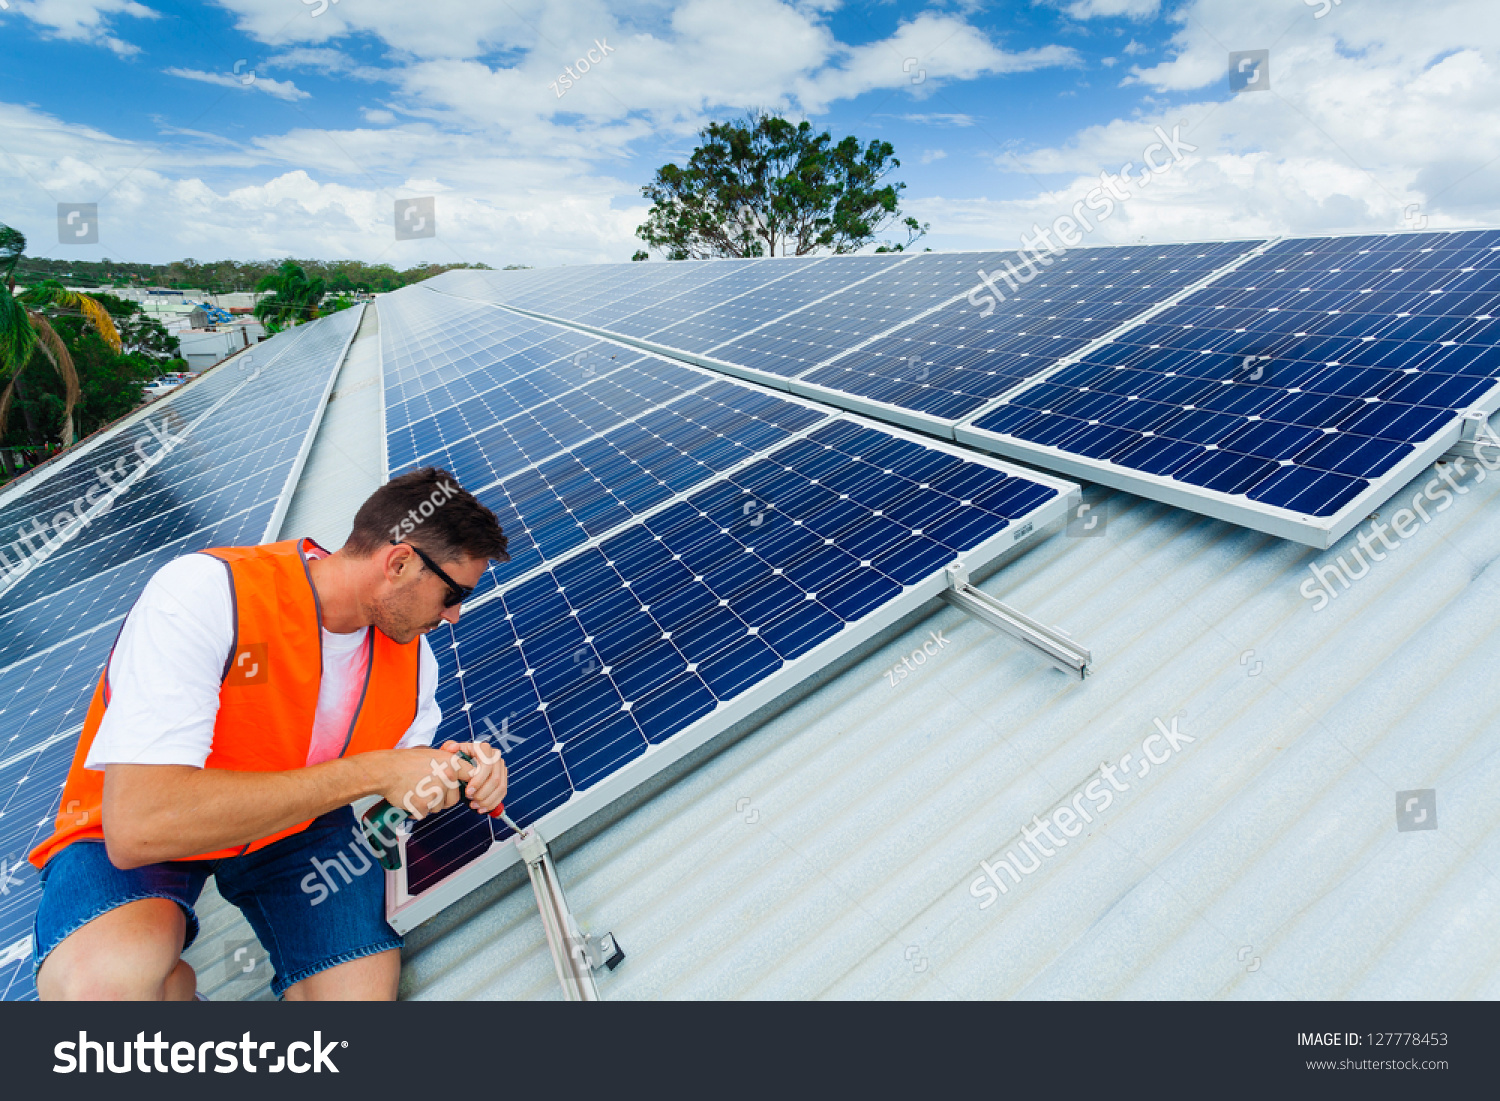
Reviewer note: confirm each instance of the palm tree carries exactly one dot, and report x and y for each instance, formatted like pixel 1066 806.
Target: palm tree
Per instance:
pixel 294 298
pixel 25 328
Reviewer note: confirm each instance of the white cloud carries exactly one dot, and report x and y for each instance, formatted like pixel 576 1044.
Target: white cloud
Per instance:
pixel 1369 111
pixel 248 78
pixel 327 61
pixel 671 63
pixel 155 204
pixel 1111 9
pixel 86 21
pixel 938 118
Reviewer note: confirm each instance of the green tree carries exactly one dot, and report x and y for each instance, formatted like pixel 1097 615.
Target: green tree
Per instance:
pixel 109 382
pixel 139 332
pixel 769 187
pixel 26 328
pixel 294 297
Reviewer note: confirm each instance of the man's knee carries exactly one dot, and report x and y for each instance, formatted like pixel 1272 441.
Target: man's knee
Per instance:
pixel 126 954
pixel 373 978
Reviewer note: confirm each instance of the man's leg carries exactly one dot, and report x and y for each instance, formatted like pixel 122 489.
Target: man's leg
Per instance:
pixel 316 900
pixel 131 953
pixel 367 979
pixel 103 933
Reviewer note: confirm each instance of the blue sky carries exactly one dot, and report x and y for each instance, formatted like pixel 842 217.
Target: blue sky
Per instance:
pixel 266 128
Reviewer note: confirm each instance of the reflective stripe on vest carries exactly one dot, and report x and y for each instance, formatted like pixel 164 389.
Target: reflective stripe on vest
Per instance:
pixel 268 692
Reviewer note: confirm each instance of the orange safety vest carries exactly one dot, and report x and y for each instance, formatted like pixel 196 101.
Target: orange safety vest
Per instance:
pixel 268 693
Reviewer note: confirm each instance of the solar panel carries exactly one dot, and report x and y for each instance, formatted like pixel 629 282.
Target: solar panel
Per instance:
pixel 949 363
pixel 207 465
pixel 918 340
pixel 1293 394
pixel 679 559
pixel 1289 386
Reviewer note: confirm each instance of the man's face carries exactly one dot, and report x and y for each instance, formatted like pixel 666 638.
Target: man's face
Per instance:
pixel 411 602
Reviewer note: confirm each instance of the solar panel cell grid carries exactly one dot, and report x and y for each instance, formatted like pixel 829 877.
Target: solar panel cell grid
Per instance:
pixel 1297 381
pixel 953 361
pixel 580 667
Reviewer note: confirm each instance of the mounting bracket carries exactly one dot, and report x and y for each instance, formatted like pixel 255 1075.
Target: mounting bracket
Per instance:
pixel 1474 432
pixel 575 954
pixel 1055 647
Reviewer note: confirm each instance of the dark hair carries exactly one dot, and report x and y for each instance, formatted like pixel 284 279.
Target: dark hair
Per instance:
pixel 429 509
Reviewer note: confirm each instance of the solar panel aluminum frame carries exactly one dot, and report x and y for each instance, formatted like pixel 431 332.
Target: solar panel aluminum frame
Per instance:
pixel 1313 531
pixel 405 911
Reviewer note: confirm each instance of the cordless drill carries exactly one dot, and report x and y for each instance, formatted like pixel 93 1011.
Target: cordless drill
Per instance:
pixel 381 821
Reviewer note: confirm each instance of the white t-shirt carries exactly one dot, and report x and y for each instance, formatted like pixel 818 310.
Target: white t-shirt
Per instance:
pixel 166 669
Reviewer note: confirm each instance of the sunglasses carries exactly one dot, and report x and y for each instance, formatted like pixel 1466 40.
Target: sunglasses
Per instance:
pixel 457 593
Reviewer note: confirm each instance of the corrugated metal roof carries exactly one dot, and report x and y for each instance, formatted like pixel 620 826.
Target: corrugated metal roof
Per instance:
pixel 831 852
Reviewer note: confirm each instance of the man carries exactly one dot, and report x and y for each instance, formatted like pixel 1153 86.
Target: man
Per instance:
pixel 252 694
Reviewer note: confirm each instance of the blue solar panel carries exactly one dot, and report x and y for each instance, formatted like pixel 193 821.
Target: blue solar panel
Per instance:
pixel 1296 382
pixel 666 559
pixel 951 362
pixel 218 484
pixel 757 305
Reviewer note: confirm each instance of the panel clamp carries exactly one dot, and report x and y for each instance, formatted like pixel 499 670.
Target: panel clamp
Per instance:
pixel 1050 643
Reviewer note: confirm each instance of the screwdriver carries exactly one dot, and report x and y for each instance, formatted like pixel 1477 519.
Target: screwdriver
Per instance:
pixel 384 814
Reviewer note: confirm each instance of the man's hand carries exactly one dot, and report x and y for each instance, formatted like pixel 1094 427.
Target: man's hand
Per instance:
pixel 424 780
pixel 487 779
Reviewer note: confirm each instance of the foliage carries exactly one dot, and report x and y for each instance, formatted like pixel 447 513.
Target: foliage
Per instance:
pixel 224 276
pixel 26 330
pixel 293 299
pixel 109 383
pixel 766 187
pixel 98 364
pixel 139 332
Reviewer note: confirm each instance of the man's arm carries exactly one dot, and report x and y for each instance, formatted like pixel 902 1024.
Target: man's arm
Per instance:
pixel 169 812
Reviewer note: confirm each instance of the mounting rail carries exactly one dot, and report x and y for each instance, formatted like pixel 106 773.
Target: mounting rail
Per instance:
pixel 1061 651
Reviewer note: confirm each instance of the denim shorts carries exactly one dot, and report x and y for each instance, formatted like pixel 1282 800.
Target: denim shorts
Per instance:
pixel 315 899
